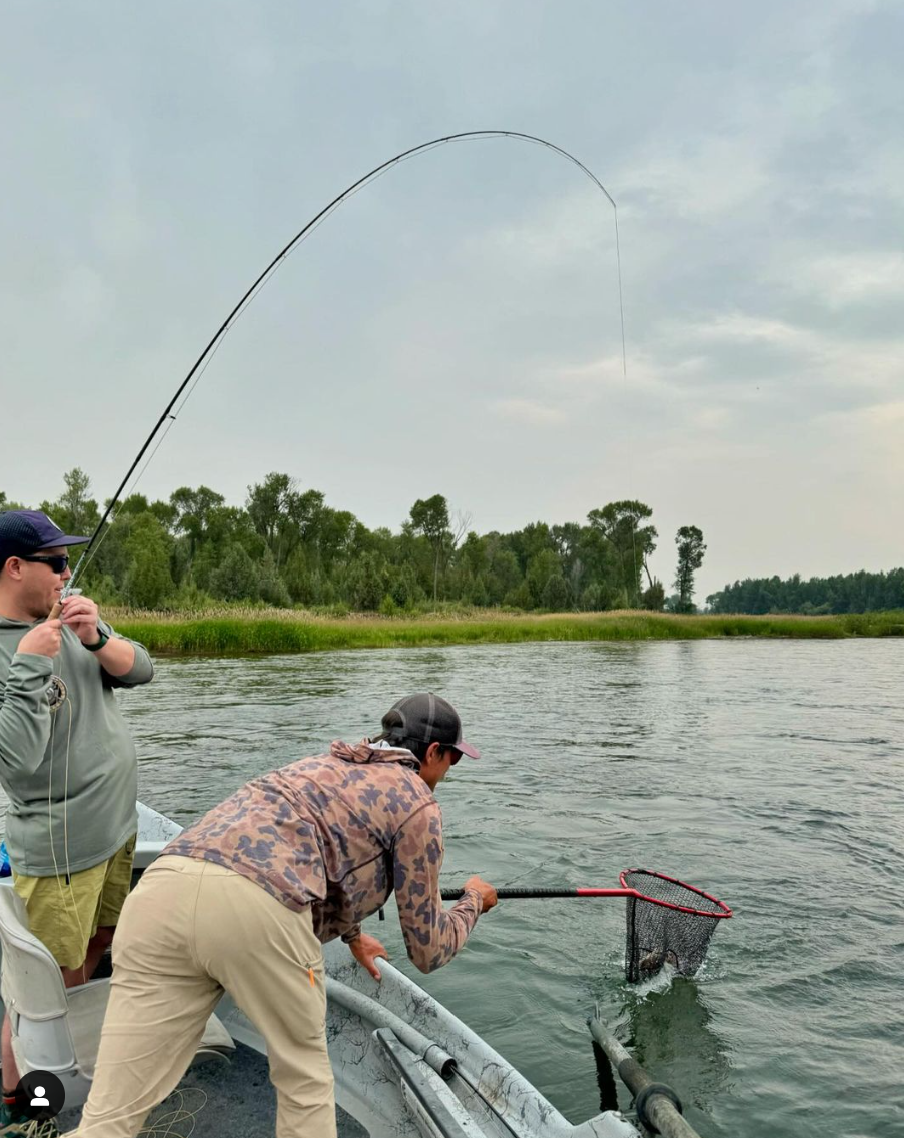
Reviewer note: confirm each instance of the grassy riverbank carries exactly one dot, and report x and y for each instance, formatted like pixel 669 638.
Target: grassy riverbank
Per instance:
pixel 244 632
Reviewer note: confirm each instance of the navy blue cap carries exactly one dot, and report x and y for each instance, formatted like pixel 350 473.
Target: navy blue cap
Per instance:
pixel 29 530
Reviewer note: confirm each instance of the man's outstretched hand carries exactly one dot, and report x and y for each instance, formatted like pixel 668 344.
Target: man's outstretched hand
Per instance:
pixel 365 949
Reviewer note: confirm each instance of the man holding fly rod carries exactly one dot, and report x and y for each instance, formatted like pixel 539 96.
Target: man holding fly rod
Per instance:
pixel 244 898
pixel 67 762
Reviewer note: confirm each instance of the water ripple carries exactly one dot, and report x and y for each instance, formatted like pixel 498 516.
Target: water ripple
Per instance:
pixel 771 774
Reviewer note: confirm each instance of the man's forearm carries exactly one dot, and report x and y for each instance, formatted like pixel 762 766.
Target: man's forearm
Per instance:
pixel 117 657
pixel 432 943
pixel 25 714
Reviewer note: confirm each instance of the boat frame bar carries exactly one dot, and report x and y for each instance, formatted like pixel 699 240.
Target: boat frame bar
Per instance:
pixel 658 1107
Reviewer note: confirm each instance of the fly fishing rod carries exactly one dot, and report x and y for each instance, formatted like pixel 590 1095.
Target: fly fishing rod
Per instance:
pixel 167 417
pixel 668 921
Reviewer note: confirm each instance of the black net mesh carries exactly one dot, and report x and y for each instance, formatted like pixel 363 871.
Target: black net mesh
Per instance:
pixel 657 936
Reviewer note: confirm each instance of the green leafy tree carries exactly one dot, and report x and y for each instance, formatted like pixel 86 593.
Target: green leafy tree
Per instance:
pixel 75 509
pixel 543 566
pixel 521 597
pixel 850 593
pixel 337 535
pixel 273 589
pixel 272 506
pixel 530 542
pixel 236 577
pixel 306 509
pixel 148 583
pixel 227 526
pixel 503 575
pixel 404 588
pixel 555 596
pixel 472 554
pixel 299 579
pixel 430 517
pixel 193 510
pixel 568 541
pixel 592 598
pixel 6 504
pixel 596 562
pixel 479 592
pixel 691 548
pixel 367 583
pixel 76 512
pixel 632 542
pixel 654 597
pixel 165 513
pixel 388 607
pixel 285 546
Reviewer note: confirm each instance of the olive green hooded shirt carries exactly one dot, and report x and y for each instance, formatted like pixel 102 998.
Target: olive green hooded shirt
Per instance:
pixel 70 773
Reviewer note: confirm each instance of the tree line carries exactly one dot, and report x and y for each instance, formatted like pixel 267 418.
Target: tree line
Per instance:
pixel 286 546
pixel 853 592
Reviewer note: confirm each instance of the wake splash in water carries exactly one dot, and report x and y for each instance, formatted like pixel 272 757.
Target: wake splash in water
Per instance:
pixel 658 983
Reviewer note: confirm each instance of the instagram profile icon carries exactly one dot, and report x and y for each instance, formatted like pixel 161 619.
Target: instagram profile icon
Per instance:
pixel 40 1095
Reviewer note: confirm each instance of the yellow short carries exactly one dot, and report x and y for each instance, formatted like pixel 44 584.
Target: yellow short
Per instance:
pixel 65 917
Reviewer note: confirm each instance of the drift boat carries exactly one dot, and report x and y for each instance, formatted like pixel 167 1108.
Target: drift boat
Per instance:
pixel 404 1066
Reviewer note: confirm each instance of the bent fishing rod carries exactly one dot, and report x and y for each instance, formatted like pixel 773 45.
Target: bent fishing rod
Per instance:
pixel 167 418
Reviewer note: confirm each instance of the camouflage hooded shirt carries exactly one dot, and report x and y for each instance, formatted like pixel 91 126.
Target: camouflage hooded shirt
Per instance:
pixel 340 832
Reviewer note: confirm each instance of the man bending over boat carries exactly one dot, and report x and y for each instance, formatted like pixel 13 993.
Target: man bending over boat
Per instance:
pixel 244 898
pixel 67 763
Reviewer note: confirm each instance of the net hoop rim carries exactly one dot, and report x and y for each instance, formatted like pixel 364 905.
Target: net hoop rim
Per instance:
pixel 725 911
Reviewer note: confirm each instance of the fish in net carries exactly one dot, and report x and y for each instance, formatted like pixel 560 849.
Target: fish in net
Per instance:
pixel 668 923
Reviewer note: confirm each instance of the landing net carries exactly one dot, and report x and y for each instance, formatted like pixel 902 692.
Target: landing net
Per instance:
pixel 669 923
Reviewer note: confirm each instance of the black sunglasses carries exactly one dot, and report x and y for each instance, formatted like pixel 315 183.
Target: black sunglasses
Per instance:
pixel 58 562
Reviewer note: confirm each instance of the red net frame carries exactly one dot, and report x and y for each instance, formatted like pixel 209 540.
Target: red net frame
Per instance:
pixel 668 923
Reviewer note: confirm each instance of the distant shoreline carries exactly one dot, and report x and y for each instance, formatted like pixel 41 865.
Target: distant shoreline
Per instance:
pixel 282 631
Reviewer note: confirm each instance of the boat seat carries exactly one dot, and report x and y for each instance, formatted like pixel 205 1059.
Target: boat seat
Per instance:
pixel 58 1029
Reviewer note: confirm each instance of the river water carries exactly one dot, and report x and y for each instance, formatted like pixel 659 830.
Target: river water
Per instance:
pixel 770 774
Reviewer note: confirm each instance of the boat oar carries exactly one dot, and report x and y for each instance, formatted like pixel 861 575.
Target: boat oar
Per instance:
pixel 668 921
pixel 657 1105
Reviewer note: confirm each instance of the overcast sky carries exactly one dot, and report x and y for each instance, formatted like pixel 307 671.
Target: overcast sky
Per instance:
pixel 454 327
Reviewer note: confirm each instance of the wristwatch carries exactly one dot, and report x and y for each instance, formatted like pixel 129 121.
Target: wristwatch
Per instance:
pixel 97 647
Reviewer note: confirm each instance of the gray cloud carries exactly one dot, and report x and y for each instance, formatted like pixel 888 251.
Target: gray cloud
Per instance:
pixel 455 327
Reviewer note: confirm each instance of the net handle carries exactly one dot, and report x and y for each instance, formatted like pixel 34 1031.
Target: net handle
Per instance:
pixel 539 893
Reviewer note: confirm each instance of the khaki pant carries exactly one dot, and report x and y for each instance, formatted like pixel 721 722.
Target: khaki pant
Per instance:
pixel 191 929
